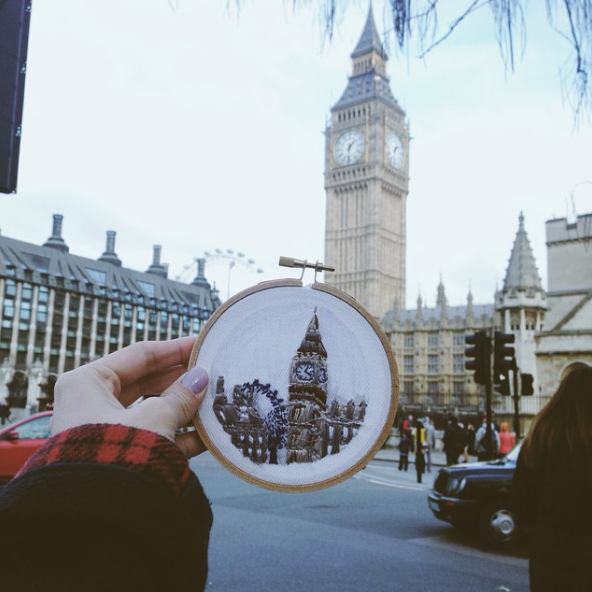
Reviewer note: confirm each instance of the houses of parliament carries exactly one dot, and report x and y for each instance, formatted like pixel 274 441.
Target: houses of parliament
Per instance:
pixel 367 185
pixel 59 310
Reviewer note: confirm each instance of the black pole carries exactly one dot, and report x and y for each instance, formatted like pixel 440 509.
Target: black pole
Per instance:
pixel 488 441
pixel 516 405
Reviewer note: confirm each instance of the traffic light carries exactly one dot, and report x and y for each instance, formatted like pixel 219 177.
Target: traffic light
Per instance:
pixel 503 385
pixel 478 355
pixel 503 356
pixel 527 389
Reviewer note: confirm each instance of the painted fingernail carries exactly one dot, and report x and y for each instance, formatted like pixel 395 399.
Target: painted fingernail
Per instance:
pixel 196 379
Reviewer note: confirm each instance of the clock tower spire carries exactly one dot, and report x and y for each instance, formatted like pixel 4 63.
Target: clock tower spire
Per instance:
pixel 366 182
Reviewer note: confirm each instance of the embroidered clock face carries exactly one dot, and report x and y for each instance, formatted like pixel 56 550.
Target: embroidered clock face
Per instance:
pixel 394 150
pixel 349 147
pixel 270 415
pixel 305 371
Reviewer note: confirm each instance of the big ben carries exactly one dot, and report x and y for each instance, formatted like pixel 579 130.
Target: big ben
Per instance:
pixel 367 182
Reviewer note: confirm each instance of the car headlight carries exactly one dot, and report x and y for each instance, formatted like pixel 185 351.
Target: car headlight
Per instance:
pixel 455 485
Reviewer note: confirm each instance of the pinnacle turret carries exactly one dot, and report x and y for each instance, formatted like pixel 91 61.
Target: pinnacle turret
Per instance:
pixel 522 272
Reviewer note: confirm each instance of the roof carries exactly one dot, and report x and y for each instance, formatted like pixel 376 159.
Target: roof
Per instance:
pixel 409 316
pixel 371 83
pixel 47 265
pixel 522 272
pixel 370 40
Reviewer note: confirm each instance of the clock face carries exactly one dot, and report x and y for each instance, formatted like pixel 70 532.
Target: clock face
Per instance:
pixel 349 147
pixel 394 150
pixel 322 375
pixel 304 371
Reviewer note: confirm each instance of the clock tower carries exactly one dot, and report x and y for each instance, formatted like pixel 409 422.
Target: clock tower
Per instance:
pixel 366 183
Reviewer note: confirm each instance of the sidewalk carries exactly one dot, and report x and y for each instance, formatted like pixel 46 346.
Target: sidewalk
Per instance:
pixel 392 455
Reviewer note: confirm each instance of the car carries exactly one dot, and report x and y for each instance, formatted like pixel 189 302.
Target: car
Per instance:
pixel 476 496
pixel 19 440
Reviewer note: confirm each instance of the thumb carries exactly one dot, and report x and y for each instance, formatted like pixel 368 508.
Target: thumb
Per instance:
pixel 185 395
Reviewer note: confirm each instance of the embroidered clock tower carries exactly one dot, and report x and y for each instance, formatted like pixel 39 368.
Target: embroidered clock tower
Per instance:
pixel 366 183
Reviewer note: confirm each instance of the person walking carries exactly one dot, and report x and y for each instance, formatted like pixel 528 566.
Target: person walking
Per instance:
pixel 486 450
pixel 405 443
pixel 470 448
pixel 552 488
pixel 430 442
pixel 454 441
pixel 507 440
pixel 419 438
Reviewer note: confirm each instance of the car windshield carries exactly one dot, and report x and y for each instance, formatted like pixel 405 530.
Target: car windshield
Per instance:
pixel 513 454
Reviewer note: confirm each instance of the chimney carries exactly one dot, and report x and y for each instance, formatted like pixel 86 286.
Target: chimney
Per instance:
pixel 157 268
pixel 109 256
pixel 55 241
pixel 200 279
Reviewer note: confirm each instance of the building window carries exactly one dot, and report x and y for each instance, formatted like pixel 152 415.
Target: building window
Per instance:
pixel 432 339
pixel 458 363
pixel 408 364
pixel 408 388
pixel 409 339
pixel 458 389
pixel 10 289
pixel 458 340
pixel 433 388
pixel 433 366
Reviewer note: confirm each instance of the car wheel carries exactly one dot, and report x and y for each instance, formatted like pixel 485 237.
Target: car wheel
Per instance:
pixel 498 526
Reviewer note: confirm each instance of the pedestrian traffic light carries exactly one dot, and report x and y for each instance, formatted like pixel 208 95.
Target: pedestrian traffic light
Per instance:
pixel 503 356
pixel 503 385
pixel 478 356
pixel 526 381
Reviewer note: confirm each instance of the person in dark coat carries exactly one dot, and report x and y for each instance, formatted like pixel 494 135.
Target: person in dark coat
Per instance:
pixel 552 488
pixel 419 434
pixel 405 447
pixel 454 440
pixel 110 503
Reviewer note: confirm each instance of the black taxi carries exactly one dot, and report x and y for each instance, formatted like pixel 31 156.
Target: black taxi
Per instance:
pixel 477 496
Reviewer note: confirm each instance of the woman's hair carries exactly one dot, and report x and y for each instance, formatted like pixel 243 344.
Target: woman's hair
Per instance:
pixel 563 428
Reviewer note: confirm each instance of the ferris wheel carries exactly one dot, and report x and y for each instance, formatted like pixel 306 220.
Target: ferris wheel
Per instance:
pixel 221 257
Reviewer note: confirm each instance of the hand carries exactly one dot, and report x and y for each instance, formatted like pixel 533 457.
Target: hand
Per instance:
pixel 104 391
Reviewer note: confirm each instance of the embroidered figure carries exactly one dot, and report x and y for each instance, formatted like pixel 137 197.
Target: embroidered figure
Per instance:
pixel 303 430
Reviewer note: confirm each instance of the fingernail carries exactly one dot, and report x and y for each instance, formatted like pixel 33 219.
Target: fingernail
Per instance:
pixel 196 379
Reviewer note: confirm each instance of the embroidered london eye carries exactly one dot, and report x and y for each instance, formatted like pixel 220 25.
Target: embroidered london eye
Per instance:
pixel 300 426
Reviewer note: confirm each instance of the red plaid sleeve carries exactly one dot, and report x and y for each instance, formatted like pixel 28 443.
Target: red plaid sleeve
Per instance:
pixel 138 450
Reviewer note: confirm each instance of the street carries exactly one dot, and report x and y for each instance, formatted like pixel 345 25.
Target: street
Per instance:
pixel 373 532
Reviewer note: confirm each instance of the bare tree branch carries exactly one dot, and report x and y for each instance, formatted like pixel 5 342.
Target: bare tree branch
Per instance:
pixel 572 19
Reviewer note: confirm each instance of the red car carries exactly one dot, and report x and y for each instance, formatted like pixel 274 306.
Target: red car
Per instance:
pixel 19 440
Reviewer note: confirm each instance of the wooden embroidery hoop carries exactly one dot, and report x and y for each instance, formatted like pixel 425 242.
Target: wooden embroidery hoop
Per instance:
pixel 212 433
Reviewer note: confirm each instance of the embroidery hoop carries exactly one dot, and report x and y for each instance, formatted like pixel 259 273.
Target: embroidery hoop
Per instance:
pixel 253 339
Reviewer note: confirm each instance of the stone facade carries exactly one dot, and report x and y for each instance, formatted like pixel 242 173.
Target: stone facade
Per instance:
pixel 566 341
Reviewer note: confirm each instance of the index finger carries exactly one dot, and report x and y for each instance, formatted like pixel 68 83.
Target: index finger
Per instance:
pixel 147 357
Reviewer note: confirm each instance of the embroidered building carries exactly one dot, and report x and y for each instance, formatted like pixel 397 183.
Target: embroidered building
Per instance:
pixel 308 436
pixel 60 310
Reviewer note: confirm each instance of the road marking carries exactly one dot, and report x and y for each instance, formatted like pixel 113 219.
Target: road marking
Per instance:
pixel 391 483
pixel 443 542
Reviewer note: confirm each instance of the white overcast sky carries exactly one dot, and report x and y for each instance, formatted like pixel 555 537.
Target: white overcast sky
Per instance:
pixel 182 124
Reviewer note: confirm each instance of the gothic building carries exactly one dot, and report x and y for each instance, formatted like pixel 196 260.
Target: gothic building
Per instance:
pixel 59 310
pixel 566 341
pixel 366 182
pixel 429 343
